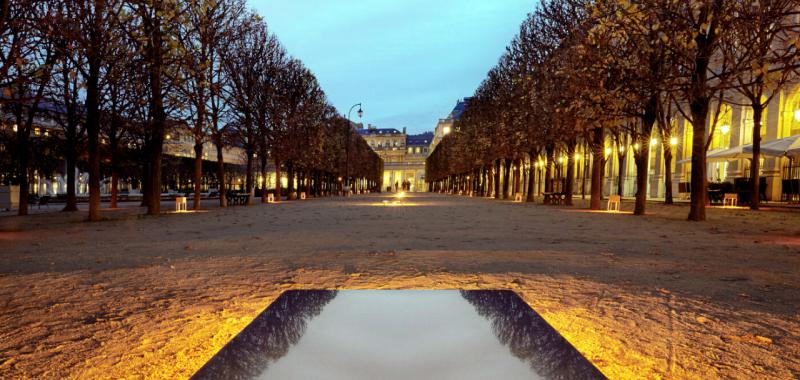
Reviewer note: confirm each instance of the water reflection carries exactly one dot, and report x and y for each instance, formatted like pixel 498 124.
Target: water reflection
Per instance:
pixel 268 337
pixel 397 335
pixel 529 337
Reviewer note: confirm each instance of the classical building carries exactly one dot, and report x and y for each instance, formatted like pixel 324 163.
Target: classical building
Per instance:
pixel 446 125
pixel 48 172
pixel 728 151
pixel 403 155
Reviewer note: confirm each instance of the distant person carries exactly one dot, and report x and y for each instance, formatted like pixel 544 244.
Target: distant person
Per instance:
pixel 396 184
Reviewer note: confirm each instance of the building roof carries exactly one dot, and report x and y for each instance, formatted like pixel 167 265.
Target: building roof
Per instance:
pixel 459 109
pixel 379 131
pixel 422 139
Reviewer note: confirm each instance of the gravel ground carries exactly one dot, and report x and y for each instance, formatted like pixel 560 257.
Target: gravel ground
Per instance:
pixel 641 297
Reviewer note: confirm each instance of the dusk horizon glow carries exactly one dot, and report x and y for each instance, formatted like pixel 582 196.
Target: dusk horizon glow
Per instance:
pixel 408 62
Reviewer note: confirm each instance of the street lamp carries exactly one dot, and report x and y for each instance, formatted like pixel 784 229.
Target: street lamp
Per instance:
pixel 360 114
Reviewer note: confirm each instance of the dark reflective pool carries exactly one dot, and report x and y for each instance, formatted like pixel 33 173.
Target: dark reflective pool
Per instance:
pixel 391 335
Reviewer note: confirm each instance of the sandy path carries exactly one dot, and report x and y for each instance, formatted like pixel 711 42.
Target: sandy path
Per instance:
pixel 646 297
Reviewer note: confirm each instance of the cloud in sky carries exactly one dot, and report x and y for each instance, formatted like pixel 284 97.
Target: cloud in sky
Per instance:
pixel 408 61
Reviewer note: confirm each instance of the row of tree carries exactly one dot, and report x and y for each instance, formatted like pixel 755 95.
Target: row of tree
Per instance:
pixel 121 74
pixel 588 70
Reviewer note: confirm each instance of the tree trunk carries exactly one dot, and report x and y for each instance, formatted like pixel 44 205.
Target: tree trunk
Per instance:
pixel 72 163
pixel 93 127
pixel 570 185
pixel 697 208
pixel 548 173
pixel 222 189
pixel 155 61
pixel 307 183
pixel 506 178
pixel 264 175
pixel 277 179
pixel 517 178
pixel 641 177
pixel 114 177
pixel 248 179
pixel 531 180
pixel 620 173
pixel 668 198
pixel 290 180
pixel 198 173
pixel 23 156
pixel 755 165
pixel 597 169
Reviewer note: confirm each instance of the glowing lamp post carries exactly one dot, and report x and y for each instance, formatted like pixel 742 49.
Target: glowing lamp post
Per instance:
pixel 360 114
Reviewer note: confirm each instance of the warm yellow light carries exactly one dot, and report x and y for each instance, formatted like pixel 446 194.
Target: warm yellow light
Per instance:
pixel 622 149
pixel 401 195
pixel 541 163
pixel 536 164
pixel 725 129
pixel 636 146
pixel 797 114
pixel 608 151
pixel 577 156
pixel 169 137
pixel 340 179
pixel 446 130
pixel 14 128
pixel 653 142
pixel 561 160
pixel 673 141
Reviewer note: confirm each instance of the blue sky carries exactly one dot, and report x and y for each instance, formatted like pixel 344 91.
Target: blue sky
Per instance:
pixel 407 61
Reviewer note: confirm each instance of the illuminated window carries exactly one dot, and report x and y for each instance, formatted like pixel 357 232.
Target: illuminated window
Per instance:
pixel 747 123
pixel 688 136
pixel 722 133
pixel 791 115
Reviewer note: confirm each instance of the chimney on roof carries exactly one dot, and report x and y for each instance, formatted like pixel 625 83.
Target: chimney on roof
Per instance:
pixel 404 130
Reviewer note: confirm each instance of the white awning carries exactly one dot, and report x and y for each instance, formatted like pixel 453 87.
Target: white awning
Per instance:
pixel 787 146
pixel 720 155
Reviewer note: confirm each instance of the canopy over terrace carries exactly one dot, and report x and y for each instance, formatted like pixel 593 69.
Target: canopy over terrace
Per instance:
pixel 785 147
pixel 719 155
pixel 788 147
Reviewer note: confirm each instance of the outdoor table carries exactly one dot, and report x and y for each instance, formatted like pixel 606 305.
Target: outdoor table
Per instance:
pixel 552 198
pixel 715 196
